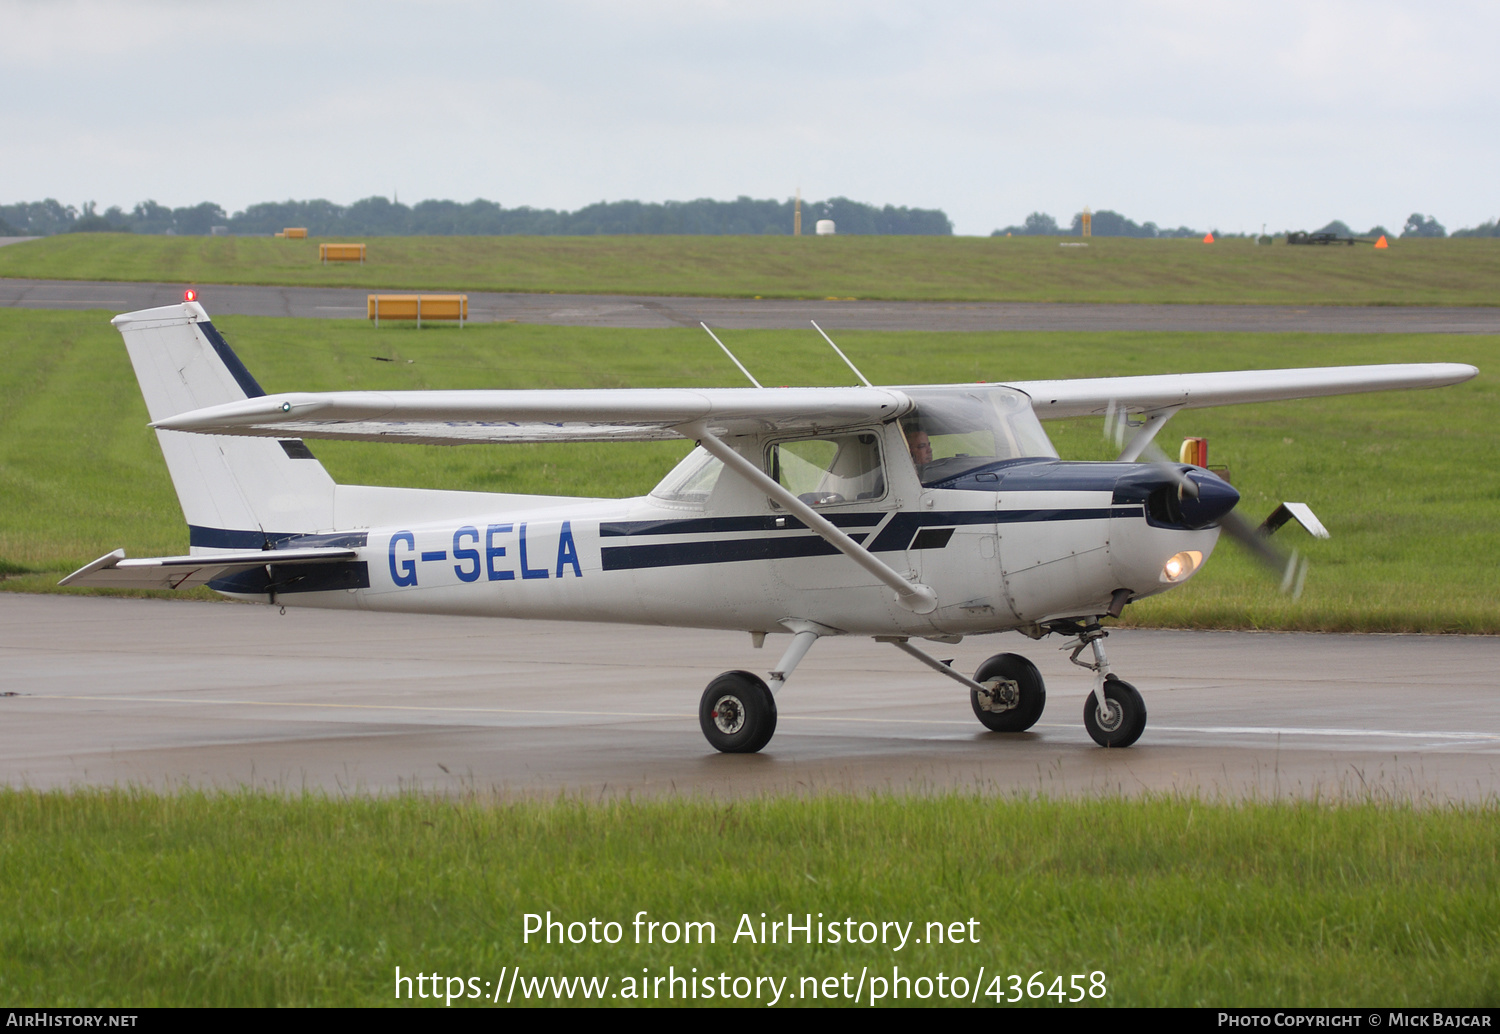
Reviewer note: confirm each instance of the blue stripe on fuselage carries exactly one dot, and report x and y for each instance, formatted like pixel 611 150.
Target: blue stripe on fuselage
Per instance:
pixel 903 526
pixel 718 551
pixel 702 525
pixel 896 535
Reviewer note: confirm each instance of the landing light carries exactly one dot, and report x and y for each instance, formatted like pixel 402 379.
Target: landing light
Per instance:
pixel 1181 565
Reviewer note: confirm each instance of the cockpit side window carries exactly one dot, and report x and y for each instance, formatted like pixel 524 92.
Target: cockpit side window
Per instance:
pixel 829 470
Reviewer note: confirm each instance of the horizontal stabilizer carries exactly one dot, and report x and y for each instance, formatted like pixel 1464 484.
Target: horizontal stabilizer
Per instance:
pixel 113 571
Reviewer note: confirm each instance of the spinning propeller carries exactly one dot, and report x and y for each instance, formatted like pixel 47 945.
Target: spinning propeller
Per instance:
pixel 1289 569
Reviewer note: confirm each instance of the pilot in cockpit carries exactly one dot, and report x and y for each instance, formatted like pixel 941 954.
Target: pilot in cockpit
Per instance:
pixel 920 447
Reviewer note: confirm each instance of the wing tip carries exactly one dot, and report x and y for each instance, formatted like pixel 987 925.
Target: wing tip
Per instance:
pixel 105 562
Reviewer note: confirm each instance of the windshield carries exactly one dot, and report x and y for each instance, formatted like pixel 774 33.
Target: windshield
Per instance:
pixel 955 430
pixel 692 481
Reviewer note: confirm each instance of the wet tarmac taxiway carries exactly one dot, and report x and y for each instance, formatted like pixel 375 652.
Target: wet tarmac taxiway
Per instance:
pixel 154 693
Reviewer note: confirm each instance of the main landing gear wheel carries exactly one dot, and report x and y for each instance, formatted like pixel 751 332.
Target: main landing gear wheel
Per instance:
pixel 1124 718
pixel 1032 695
pixel 737 713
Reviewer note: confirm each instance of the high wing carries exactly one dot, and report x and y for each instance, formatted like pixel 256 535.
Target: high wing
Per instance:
pixel 1054 400
pixel 459 417
pixel 645 414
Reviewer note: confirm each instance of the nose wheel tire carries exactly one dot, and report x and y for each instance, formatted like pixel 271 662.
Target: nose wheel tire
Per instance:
pixel 1031 698
pixel 737 713
pixel 1124 718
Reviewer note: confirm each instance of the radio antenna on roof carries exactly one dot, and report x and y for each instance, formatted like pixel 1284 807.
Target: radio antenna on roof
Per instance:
pixel 731 355
pixel 842 356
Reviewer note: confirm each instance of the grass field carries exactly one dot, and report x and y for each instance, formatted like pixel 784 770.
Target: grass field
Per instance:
pixel 129 898
pixel 1411 272
pixel 1407 482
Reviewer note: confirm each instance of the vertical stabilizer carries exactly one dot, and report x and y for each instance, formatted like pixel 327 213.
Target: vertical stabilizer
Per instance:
pixel 236 493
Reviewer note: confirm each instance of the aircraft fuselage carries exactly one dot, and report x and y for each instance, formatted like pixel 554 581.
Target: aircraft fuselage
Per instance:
pixel 1057 540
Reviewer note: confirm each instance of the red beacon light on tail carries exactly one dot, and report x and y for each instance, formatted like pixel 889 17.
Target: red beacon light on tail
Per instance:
pixel 190 295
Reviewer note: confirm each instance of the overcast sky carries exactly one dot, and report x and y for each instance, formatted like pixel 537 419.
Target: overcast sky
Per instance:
pixel 1212 115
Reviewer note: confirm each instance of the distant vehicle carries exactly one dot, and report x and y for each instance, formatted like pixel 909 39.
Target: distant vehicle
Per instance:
pixel 1301 237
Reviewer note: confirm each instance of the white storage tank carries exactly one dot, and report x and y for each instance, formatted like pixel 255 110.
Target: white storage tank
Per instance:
pixel 824 228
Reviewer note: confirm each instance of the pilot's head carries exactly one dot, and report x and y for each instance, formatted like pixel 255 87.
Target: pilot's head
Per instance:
pixel 920 447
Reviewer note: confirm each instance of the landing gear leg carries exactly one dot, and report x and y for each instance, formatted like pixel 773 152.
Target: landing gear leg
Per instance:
pixel 801 642
pixel 1006 692
pixel 1114 713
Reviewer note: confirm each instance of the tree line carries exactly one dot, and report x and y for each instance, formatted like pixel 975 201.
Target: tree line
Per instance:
pixel 380 216
pixel 1112 224
pixel 1104 224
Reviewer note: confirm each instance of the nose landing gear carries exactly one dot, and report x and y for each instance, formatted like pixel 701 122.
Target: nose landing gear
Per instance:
pixel 1121 720
pixel 1114 713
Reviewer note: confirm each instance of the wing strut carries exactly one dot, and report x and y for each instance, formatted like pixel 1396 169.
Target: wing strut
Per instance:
pixel 1143 437
pixel 914 596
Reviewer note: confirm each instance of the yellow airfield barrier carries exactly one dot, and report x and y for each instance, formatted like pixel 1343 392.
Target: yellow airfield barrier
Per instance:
pixel 295 233
pixel 341 253
pixel 418 307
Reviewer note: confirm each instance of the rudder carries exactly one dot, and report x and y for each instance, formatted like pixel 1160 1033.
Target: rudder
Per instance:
pixel 236 493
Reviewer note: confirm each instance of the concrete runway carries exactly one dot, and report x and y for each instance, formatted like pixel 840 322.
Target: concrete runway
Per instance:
pixel 161 693
pixel 751 314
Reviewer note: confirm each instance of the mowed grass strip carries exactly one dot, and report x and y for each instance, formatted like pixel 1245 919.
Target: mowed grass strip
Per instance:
pixel 129 898
pixel 1407 482
pixel 1410 272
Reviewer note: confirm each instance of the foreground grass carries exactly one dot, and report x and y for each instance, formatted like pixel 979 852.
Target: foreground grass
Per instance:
pixel 1411 272
pixel 126 898
pixel 1408 482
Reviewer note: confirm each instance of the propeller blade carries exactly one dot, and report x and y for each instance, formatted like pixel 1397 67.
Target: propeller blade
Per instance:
pixel 1291 570
pixel 1185 486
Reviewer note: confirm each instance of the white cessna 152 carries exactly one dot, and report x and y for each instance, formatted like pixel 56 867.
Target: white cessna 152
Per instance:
pixel 899 513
